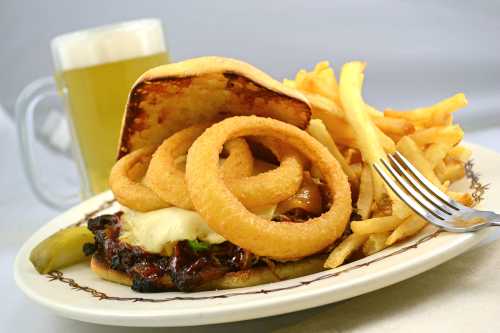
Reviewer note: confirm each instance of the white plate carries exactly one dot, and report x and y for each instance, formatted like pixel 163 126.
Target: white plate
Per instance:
pixel 102 302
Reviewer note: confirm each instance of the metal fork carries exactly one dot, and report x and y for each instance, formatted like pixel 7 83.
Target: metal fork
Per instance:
pixel 428 201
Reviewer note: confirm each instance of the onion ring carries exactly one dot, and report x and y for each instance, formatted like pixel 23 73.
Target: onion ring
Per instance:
pixel 239 162
pixel 127 188
pixel 168 182
pixel 226 215
pixel 272 186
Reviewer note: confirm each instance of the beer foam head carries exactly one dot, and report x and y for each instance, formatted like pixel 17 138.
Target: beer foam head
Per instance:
pixel 107 44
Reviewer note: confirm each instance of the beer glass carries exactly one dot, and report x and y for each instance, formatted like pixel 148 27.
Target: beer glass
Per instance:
pixel 93 72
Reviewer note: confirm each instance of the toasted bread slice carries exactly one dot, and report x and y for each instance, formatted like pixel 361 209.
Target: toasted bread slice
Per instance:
pixel 171 97
pixel 246 278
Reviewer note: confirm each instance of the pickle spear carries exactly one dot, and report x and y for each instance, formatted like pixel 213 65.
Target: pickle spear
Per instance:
pixel 62 249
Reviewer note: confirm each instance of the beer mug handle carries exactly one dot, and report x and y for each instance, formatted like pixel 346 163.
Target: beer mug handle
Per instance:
pixel 27 104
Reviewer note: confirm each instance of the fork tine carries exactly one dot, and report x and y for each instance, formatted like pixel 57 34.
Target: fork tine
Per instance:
pixel 429 186
pixel 413 193
pixel 405 197
pixel 419 187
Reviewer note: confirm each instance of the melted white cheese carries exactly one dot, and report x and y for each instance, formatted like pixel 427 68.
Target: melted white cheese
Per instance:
pixel 158 230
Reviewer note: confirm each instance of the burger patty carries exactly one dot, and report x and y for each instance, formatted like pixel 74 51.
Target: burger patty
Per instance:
pixel 188 267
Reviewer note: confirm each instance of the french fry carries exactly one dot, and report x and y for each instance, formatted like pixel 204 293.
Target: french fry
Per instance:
pixel 395 126
pixel 439 118
pixel 411 226
pixel 372 112
pixel 441 165
pixel 450 135
pixel 321 89
pixel 400 209
pixel 436 152
pixel 464 198
pixel 326 83
pixel 320 81
pixel 344 250
pixel 459 153
pixel 450 171
pixel 375 243
pixel 300 77
pixel 446 186
pixel 332 116
pixel 338 128
pixel 321 66
pixel 426 116
pixel 366 133
pixel 320 102
pixel 412 152
pixel 386 142
pixel 365 196
pixel 318 130
pixel 357 169
pixel 375 225
pixel 351 81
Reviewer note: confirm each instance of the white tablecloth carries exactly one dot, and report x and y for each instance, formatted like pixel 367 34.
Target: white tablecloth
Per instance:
pixel 458 296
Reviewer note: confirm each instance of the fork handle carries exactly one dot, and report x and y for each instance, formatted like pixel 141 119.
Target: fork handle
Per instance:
pixel 493 218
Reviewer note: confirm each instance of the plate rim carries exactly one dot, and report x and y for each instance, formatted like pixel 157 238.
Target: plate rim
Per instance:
pixel 256 308
pixel 245 310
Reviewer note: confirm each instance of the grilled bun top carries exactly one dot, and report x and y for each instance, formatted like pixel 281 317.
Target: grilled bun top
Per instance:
pixel 171 97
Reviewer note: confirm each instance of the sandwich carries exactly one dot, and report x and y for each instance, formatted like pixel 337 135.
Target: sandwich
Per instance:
pixel 166 237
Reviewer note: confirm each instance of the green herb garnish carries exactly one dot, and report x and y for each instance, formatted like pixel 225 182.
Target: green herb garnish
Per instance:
pixel 197 245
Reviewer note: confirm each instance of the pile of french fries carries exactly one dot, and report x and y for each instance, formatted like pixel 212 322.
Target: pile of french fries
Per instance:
pixel 359 135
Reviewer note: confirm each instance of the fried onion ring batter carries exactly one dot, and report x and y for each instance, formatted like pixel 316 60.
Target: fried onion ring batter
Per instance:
pixel 272 186
pixel 228 216
pixel 168 181
pixel 125 183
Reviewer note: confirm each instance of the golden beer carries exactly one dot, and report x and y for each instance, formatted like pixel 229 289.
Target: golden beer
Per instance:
pixel 94 70
pixel 96 98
